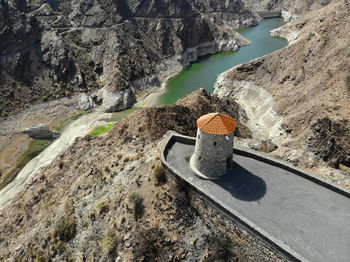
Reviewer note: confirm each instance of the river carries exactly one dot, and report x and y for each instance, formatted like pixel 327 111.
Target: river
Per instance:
pixel 199 75
pixel 203 74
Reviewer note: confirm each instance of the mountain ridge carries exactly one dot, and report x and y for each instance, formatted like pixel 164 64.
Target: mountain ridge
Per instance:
pixel 55 49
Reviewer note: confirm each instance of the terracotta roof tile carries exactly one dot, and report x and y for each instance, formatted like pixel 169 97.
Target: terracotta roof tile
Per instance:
pixel 216 123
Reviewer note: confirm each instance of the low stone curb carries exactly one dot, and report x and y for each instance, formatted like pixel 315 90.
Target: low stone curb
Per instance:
pixel 269 240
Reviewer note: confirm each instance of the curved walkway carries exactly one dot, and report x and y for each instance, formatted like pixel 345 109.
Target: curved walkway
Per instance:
pixel 305 217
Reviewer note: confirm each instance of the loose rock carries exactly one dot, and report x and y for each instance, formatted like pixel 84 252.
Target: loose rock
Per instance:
pixel 41 131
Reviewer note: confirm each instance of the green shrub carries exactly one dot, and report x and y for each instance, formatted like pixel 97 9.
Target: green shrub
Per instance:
pixel 102 207
pixel 99 130
pixel 159 173
pixel 60 165
pixel 110 242
pixel 137 202
pixel 65 228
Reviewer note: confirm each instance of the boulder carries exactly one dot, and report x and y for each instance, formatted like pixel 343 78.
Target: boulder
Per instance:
pixel 41 131
pixel 266 146
pixel 117 101
pixel 85 102
pixel 288 17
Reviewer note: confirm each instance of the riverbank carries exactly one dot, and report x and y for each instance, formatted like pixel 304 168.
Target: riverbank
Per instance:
pixel 172 67
pixel 203 74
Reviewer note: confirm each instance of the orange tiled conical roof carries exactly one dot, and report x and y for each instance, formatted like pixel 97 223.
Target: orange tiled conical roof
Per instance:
pixel 217 124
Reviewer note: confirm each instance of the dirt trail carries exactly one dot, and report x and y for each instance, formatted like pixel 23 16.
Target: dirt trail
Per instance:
pixel 80 127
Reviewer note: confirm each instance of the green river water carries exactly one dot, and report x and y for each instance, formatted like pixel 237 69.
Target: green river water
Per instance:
pixel 203 73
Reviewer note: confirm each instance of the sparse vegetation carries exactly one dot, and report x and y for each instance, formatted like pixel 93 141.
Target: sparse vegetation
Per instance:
pixel 119 155
pixel 159 174
pixel 107 169
pixel 110 242
pixel 35 148
pixel 218 249
pixel 65 228
pixel 137 202
pixel 147 246
pixel 92 215
pixel 100 130
pixel 102 207
pixel 60 164
pixel 344 168
pixel 120 115
pixel 280 38
pixel 61 125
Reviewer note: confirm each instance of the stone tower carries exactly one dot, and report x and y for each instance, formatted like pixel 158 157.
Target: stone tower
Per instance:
pixel 212 157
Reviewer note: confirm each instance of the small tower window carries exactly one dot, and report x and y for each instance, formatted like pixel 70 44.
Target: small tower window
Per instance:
pixel 214 143
pixel 199 136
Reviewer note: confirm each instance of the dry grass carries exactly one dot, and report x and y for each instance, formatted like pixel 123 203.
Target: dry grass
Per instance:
pixel 34 149
pixel 138 207
pixel 110 243
pixel 102 207
pixel 159 174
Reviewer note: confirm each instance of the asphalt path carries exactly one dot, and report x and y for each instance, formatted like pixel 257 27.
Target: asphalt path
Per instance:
pixel 310 219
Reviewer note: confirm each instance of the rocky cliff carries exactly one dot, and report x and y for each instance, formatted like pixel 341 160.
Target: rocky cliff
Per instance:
pixel 50 49
pixel 306 85
pixel 294 7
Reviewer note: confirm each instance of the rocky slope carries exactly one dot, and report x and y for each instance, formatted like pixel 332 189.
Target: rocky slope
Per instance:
pixel 307 85
pixel 50 49
pixel 294 7
pixel 106 199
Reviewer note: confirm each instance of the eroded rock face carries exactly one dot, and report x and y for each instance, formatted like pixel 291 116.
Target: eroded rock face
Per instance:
pixel 41 131
pixel 53 49
pixel 308 81
pixel 294 7
pixel 117 101
pixel 329 139
pixel 85 102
